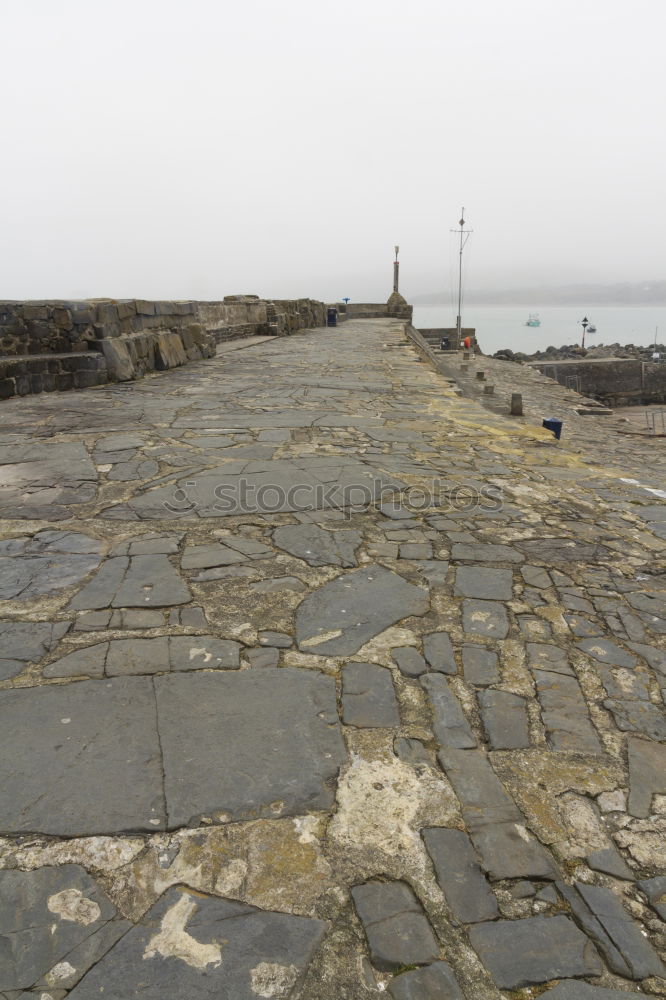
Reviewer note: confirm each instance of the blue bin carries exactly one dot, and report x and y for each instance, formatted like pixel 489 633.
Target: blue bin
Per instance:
pixel 553 425
pixel 331 317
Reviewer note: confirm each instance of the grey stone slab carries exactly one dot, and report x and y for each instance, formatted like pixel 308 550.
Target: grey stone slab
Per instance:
pixel 520 953
pixel 82 759
pixel 485 618
pixel 151 581
pixel 27 642
pixel 343 615
pixel 45 915
pixel 279 639
pixel 655 890
pixel 459 875
pixel 610 861
pixel 438 651
pixel 433 982
pixel 479 552
pixel 565 714
pixel 483 582
pixel 261 657
pixel 416 550
pixel 317 546
pixel 450 726
pixel 545 656
pixel 248 744
pixel 572 989
pixel 92 621
pixel 140 619
pixel 67 974
pixel 582 626
pixel 638 717
pixel 119 442
pixel 606 651
pixel 204 947
pixel 647 774
pixel 496 825
pixel 394 923
pixel 101 590
pixel 595 930
pixel 548 551
pixel 640 957
pixel 203 652
pixel 49 562
pixel 409 661
pixel 86 662
pixel 368 697
pixel 434 570
pixel 655 657
pixel 504 717
pixel 480 666
pixel 207 556
pixel 535 576
pixel 137 656
pixel 411 751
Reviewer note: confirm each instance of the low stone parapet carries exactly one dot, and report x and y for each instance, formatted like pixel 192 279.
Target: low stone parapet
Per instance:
pixel 27 374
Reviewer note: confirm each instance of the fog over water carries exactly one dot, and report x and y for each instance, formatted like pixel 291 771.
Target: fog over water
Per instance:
pixel 498 327
pixel 159 148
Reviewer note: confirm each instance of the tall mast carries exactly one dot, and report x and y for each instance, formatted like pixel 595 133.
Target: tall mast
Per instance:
pixel 464 235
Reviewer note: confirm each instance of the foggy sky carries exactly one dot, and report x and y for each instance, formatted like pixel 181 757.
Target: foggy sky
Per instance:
pixel 165 149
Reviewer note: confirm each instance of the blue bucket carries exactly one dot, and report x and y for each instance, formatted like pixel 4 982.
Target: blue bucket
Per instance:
pixel 553 425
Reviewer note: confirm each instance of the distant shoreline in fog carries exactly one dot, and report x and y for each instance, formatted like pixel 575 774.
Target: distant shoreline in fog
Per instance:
pixel 644 293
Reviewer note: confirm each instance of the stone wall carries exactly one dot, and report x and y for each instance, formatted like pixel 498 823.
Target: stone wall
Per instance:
pixel 135 336
pixel 613 381
pixel 375 310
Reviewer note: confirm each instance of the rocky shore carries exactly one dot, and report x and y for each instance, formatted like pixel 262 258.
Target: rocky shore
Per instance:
pixel 572 351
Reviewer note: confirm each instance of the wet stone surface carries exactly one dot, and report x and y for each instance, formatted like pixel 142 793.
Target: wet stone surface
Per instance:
pixel 271 727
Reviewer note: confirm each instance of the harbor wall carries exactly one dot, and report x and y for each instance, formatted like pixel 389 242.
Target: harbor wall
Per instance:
pixel 613 381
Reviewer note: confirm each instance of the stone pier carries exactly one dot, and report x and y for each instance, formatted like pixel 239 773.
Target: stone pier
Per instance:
pixel 324 678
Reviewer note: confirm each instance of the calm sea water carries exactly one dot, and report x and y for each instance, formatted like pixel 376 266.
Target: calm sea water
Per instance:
pixel 504 326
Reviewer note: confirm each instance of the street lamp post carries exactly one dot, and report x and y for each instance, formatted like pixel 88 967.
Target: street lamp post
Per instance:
pixel 396 269
pixel 584 323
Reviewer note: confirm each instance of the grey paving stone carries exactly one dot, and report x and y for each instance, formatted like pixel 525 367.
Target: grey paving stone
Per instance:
pixel 655 890
pixel 459 875
pixel 434 570
pixel 485 618
pixel 545 656
pixel 548 551
pixel 433 982
pixel 119 442
pixel 480 666
pixel 82 958
pixel 200 947
pixel 368 697
pixel 438 651
pixel 638 717
pixel 207 556
pixel 479 552
pixel 520 953
pixel 45 915
pixel 318 547
pixel 504 717
pixel 279 639
pixel 248 744
pixel 572 989
pixel 27 642
pixel 138 582
pixel 92 745
pixel 343 615
pixel 86 662
pixel 202 652
pixel 483 582
pixel 647 774
pixel 606 651
pixel 494 822
pixel 610 861
pixel 639 959
pixel 409 661
pixel 565 714
pixel 411 751
pixel 48 562
pixel 92 621
pixel 394 923
pixel 416 550
pixel 137 656
pixel 450 726
pixel 655 657
pixel 582 626
pixel 140 619
pixel 262 657
pixel 535 576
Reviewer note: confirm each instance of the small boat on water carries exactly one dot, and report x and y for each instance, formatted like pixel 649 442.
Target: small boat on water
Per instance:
pixel 533 320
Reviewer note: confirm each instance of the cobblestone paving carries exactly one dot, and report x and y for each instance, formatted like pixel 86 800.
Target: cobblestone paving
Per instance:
pixel 322 678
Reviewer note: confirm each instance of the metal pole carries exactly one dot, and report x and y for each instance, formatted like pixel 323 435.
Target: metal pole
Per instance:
pixel 459 319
